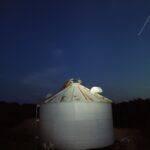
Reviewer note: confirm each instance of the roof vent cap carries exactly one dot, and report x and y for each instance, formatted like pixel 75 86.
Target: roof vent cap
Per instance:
pixel 96 90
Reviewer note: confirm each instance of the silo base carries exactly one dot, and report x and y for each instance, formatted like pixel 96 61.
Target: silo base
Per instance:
pixel 48 147
pixel 111 147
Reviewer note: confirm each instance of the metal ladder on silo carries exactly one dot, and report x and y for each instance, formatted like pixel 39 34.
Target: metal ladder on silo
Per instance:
pixel 37 138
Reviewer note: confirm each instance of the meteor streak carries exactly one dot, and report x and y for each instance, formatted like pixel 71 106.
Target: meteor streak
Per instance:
pixel 144 25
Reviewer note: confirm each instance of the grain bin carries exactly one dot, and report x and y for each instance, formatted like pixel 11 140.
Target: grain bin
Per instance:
pixel 76 118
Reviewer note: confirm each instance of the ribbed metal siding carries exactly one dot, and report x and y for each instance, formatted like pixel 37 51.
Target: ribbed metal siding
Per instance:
pixel 76 125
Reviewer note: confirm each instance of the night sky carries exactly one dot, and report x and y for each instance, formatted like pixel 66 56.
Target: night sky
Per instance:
pixel 45 43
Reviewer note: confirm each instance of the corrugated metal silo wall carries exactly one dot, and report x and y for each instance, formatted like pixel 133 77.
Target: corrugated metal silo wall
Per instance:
pixel 75 125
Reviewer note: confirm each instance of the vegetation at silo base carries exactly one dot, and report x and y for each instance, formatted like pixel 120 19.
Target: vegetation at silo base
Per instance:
pixel 131 119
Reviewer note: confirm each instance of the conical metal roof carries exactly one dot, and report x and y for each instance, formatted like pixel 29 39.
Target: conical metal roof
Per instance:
pixel 75 92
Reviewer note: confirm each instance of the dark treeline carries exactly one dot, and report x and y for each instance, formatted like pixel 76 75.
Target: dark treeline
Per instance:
pixel 131 114
pixel 12 114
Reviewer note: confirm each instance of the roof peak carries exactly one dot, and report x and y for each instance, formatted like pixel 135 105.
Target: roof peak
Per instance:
pixel 72 81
